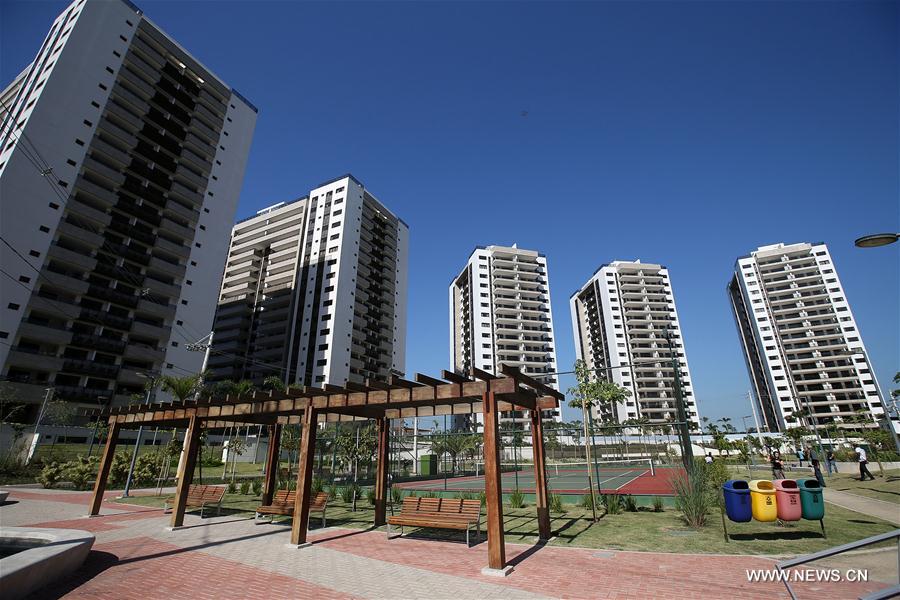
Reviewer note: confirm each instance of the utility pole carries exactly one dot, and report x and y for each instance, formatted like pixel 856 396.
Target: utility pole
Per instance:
pixel 687 453
pixel 151 383
pixel 37 437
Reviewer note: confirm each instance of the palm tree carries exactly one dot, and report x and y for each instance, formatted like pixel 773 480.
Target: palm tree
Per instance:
pixel 274 383
pixel 181 387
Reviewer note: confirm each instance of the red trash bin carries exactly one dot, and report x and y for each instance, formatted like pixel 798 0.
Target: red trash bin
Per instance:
pixel 787 498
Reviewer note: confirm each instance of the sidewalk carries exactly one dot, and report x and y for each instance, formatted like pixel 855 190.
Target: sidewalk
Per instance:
pixel 887 511
pixel 136 557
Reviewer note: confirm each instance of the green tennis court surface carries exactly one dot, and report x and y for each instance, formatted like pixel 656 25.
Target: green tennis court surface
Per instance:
pixel 639 477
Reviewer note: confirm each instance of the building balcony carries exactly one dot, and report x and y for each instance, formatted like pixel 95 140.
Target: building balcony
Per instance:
pixel 163 311
pixel 72 258
pixel 144 353
pixel 45 333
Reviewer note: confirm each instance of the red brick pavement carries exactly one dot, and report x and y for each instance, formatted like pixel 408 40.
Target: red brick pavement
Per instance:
pixel 141 568
pixel 585 573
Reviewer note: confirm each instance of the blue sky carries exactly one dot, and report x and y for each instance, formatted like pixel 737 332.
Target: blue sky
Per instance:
pixel 686 133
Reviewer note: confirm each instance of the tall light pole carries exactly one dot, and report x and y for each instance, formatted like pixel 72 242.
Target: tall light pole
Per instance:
pixel 151 384
pixel 876 239
pixel 687 453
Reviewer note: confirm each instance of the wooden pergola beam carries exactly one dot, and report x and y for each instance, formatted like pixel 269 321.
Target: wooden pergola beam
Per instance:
pixel 531 382
pixel 454 377
pixel 427 380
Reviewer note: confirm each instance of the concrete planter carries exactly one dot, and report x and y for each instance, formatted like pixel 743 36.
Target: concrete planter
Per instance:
pixel 49 555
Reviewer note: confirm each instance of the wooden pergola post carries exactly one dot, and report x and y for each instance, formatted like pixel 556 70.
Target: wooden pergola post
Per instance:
pixel 383 426
pixel 106 460
pixel 186 471
pixel 541 494
pixel 304 478
pixel 493 490
pixel 272 464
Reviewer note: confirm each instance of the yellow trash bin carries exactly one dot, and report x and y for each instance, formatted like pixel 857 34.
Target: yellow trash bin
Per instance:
pixel 762 500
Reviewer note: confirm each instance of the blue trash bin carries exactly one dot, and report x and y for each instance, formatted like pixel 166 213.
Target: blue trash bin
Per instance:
pixel 737 500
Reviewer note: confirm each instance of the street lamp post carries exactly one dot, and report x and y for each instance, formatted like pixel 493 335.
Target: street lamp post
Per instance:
pixel 137 443
pixel 687 454
pixel 876 239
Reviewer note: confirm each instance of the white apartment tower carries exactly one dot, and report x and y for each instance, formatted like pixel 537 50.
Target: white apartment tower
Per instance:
pixel 500 315
pixel 802 347
pixel 314 291
pixel 121 163
pixel 619 319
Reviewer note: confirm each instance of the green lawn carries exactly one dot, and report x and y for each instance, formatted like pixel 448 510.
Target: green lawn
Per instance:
pixel 641 531
pixel 885 488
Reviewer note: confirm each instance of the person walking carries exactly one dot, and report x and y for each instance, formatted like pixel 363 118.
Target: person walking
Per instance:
pixel 800 456
pixel 813 457
pixel 830 462
pixel 777 466
pixel 863 461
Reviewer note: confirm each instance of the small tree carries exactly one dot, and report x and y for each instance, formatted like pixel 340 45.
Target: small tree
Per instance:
pixel 273 383
pixel 591 391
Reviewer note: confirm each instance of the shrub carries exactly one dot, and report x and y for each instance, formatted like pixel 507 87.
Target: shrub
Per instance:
pixel 257 486
pixel 555 503
pixel 396 495
pixel 429 494
pixel 245 487
pixel 50 475
pixel 612 503
pixel 517 499
pixel 465 496
pixel 332 492
pixel 118 470
pixel 81 472
pixel 629 502
pixel 412 494
pixel 318 485
pixel 232 488
pixel 586 502
pixel 482 498
pixel 693 498
pixel 657 504
pixel 370 496
pixel 147 468
pixel 348 492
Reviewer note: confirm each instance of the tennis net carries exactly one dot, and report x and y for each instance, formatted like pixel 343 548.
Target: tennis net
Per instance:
pixel 632 466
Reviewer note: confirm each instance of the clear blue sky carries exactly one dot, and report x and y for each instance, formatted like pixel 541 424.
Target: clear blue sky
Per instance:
pixel 686 133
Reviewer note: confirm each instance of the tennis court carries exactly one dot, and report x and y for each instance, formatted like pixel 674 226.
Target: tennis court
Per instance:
pixel 640 477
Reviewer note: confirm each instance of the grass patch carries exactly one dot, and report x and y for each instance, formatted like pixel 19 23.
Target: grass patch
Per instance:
pixel 640 531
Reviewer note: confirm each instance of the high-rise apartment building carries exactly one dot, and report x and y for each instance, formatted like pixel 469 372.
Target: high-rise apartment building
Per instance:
pixel 620 318
pixel 803 349
pixel 500 315
pixel 121 163
pixel 314 291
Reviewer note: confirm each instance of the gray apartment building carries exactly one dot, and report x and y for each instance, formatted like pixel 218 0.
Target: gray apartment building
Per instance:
pixel 121 162
pixel 314 291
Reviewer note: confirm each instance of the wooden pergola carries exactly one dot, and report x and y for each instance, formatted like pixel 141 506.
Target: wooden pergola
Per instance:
pixel 452 394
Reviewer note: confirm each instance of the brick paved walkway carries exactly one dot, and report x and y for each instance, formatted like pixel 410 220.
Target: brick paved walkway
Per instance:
pixel 135 557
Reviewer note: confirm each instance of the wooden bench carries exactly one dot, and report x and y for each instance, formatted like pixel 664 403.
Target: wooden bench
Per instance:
pixel 202 496
pixel 283 504
pixel 438 513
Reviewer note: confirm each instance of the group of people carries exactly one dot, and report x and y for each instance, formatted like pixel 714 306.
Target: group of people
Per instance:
pixel 812 456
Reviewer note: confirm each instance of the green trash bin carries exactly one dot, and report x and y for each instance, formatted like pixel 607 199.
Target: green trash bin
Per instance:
pixel 428 464
pixel 812 502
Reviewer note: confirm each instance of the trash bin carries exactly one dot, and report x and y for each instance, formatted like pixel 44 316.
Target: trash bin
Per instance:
pixel 737 500
pixel 762 500
pixel 428 464
pixel 787 497
pixel 811 500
